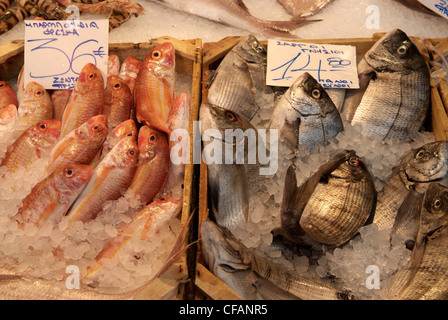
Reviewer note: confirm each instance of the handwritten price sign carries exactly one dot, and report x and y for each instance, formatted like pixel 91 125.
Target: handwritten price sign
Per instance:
pixel 333 66
pixel 56 51
pixel 438 6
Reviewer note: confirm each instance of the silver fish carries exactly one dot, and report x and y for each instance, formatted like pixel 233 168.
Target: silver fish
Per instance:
pixel 239 82
pixel 305 115
pixel 394 97
pixel 253 277
pixel 410 178
pixel 303 8
pixel 233 186
pixel 331 206
pixel 236 14
pixel 425 276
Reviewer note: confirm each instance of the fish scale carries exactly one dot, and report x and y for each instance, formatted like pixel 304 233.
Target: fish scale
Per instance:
pixel 424 277
pixel 32 145
pixel 110 179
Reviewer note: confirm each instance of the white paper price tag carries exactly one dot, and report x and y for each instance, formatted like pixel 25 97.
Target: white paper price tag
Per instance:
pixel 438 6
pixel 56 51
pixel 333 66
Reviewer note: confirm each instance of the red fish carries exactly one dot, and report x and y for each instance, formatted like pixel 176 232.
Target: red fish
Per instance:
pixel 50 199
pixel 113 65
pixel 144 225
pixel 109 181
pixel 7 95
pixel 80 145
pixel 60 99
pixel 178 123
pixel 86 99
pixel 154 87
pixel 36 105
pixel 129 71
pixel 8 116
pixel 33 144
pixel 153 164
pixel 117 101
pixel 124 129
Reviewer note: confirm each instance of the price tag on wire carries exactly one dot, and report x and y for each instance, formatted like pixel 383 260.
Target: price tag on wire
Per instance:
pixel 56 51
pixel 333 66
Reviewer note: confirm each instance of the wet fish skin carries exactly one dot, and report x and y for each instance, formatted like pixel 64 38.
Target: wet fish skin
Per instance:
pixel 109 181
pixel 154 87
pixel 80 145
pixel 415 171
pixel 177 119
pixel 36 104
pixel 117 101
pixel 60 99
pixel 242 269
pixel 396 67
pixel 235 13
pixel 305 115
pixel 234 187
pixel 303 8
pixel 144 225
pixel 33 144
pixel 7 95
pixel 86 99
pixel 8 116
pixel 239 84
pixel 425 277
pixel 331 205
pixel 124 129
pixel 153 164
pixel 129 71
pixel 113 65
pixel 50 199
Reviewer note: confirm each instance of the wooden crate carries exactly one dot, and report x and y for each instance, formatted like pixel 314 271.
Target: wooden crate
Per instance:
pixel 208 285
pixel 176 282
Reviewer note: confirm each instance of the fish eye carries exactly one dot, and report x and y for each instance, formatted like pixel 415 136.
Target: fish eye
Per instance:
pixel 354 162
pixel 117 86
pixel 316 93
pixel 230 116
pixel 2 84
pixel 419 154
pixel 437 204
pixel 132 152
pixel 68 172
pixel 402 50
pixel 129 134
pixel 156 54
pixel 38 93
pixel 43 126
pixel 152 138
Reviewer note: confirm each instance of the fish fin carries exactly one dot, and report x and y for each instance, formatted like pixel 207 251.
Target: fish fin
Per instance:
pixel 241 4
pixel 211 77
pixel 409 210
pixel 293 202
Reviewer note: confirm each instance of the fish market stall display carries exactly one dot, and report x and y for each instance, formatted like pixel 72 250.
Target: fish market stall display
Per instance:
pixel 355 205
pixel 90 190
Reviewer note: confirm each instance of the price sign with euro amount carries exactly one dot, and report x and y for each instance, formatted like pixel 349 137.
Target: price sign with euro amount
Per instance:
pixel 333 66
pixel 56 51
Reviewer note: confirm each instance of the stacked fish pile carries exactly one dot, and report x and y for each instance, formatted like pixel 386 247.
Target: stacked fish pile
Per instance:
pixel 86 177
pixel 358 185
